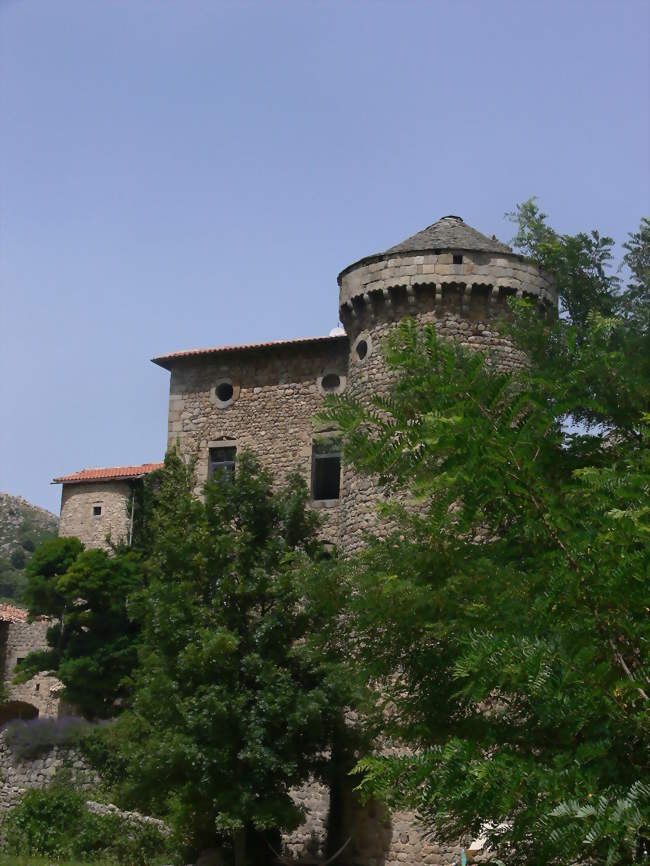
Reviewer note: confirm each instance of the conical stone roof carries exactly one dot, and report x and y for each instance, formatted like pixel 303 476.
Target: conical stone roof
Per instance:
pixel 449 233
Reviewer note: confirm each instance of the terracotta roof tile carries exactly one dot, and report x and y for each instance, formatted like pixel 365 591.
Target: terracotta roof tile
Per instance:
pixel 108 473
pixel 9 613
pixel 166 360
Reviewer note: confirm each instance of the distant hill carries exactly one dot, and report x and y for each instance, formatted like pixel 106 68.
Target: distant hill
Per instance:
pixel 22 528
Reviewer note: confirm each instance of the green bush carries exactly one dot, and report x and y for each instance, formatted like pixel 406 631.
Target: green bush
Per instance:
pixel 55 823
pixel 102 746
pixel 32 737
pixel 17 559
pixel 140 846
pixel 45 822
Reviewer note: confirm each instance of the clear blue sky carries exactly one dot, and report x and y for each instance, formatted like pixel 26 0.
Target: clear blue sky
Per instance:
pixel 182 174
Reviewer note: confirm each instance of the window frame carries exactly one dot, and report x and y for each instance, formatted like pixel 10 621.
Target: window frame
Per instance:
pixel 226 466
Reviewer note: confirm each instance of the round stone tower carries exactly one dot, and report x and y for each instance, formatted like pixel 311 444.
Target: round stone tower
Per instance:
pixel 449 274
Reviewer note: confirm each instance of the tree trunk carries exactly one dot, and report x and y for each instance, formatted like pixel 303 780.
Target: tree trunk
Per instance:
pixel 239 847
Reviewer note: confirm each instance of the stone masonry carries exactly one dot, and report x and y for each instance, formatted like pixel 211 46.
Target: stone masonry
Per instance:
pixel 264 398
pixel 39 696
pixel 277 391
pixel 79 501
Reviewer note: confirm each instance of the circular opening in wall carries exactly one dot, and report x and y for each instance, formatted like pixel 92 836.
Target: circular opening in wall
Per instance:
pixel 224 392
pixel 331 382
pixel 362 349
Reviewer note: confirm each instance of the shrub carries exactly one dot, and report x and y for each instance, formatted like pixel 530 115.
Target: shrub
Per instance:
pixel 31 737
pixel 17 559
pixel 55 823
pixel 138 846
pixel 45 823
pixel 102 747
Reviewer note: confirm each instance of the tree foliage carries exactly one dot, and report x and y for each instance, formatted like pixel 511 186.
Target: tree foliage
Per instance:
pixel 506 620
pixel 93 637
pixel 231 708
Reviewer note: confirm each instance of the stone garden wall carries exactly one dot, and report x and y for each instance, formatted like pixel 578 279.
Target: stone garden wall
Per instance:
pixel 19 773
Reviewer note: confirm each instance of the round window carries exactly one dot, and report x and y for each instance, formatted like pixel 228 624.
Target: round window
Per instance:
pixel 331 382
pixel 224 391
pixel 362 349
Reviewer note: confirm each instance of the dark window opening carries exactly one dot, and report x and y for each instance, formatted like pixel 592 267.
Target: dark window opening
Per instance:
pixel 221 460
pixel 37 687
pixel 224 391
pixel 362 349
pixel 97 511
pixel 458 259
pixel 330 382
pixel 326 471
pixel 20 659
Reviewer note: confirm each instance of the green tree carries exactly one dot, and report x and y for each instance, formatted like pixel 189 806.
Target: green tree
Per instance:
pixel 231 707
pixel 635 303
pixel 93 637
pixel 505 622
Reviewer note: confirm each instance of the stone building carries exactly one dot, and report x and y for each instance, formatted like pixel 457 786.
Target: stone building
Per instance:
pixel 39 696
pixel 264 397
pixel 96 504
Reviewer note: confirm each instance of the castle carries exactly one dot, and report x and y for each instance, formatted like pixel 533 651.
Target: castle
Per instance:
pixel 264 398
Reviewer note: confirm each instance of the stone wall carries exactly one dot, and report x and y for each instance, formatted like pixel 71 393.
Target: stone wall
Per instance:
pixel 18 639
pixel 503 273
pixel 464 303
pixel 472 324
pixel 19 774
pixel 78 502
pixel 276 393
pixel 309 839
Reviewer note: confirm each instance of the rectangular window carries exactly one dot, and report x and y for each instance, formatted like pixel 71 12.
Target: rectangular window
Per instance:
pixel 97 511
pixel 458 259
pixel 221 460
pixel 326 471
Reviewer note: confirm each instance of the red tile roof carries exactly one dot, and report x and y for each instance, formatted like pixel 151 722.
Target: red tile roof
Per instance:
pixel 167 360
pixel 9 613
pixel 108 473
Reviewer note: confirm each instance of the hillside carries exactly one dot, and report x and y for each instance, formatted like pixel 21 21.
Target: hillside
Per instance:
pixel 22 528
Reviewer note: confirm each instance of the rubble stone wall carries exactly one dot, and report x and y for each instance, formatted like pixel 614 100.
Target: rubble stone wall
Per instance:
pixel 77 518
pixel 471 322
pixel 18 775
pixel 42 690
pixel 277 393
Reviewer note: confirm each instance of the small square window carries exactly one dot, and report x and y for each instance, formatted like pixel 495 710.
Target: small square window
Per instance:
pixel 221 460
pixel 326 471
pixel 97 511
pixel 458 259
